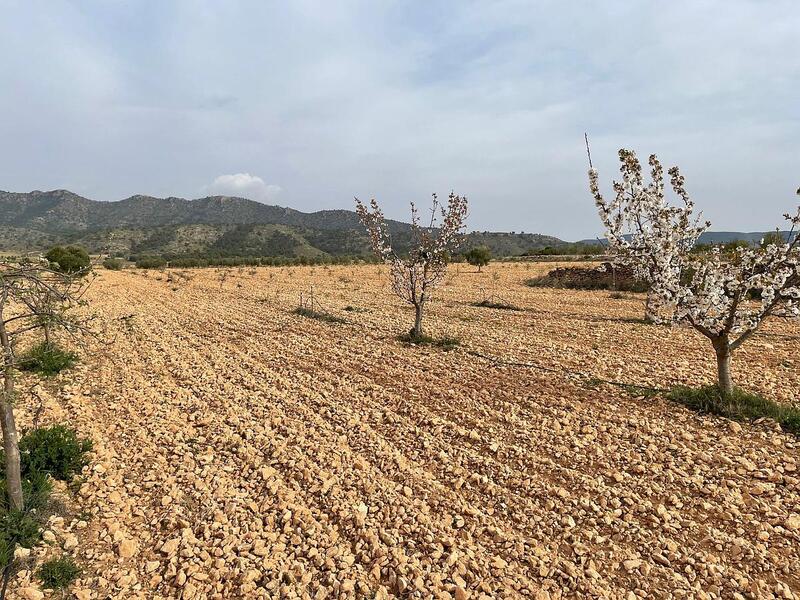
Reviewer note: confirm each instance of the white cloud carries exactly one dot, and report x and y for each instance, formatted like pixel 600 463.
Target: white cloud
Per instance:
pixel 243 185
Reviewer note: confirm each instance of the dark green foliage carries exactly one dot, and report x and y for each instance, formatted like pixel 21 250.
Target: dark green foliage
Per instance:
pixel 446 343
pixel 188 263
pixel 479 256
pixel 36 488
pixel 258 240
pixel 570 250
pixel 113 264
pixel 155 241
pixel 58 573
pixel 355 309
pixel 150 262
pixel 56 451
pixel 496 305
pixel 740 405
pixel 319 315
pixel 44 453
pixel 23 528
pixel 69 259
pixel 47 359
pixel 17 528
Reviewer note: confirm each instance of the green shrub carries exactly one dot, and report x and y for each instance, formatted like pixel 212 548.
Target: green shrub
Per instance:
pixel 320 316
pixel 355 309
pixel 113 264
pixel 23 527
pixel 740 405
pixel 58 573
pixel 56 451
pixel 18 528
pixel 36 488
pixel 446 343
pixel 69 259
pixel 496 305
pixel 188 263
pixel 47 359
pixel 479 256
pixel 151 262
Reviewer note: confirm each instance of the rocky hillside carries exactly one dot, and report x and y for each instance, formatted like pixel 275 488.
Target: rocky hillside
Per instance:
pixel 218 225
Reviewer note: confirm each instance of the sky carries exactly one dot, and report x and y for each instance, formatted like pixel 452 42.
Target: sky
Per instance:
pixel 308 104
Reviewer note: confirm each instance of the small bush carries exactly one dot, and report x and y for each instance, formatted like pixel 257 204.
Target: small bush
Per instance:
pixel 36 489
pixel 495 305
pixel 56 451
pixel 740 405
pixel 58 573
pixel 70 259
pixel 113 264
pixel 22 528
pixel 151 262
pixel 18 528
pixel 47 359
pixel 321 316
pixel 446 343
pixel 355 309
pixel 616 295
pixel 479 256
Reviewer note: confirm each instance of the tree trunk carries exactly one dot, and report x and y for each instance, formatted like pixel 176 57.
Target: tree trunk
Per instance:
pixel 47 334
pixel 9 425
pixel 724 379
pixel 649 308
pixel 417 331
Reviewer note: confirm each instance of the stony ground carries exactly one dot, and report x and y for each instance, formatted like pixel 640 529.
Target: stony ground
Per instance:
pixel 243 451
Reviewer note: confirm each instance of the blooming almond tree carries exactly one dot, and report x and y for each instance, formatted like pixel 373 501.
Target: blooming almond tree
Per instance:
pixel 726 298
pixel 414 277
pixel 644 231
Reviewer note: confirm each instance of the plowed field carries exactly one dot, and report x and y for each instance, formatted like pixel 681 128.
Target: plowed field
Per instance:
pixel 244 451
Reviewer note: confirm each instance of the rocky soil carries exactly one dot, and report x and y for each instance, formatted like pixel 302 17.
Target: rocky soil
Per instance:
pixel 243 451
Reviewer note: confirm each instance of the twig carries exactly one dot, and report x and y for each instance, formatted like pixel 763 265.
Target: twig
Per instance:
pixel 588 152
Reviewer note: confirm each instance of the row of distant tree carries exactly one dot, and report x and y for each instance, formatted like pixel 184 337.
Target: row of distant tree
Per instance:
pixel 583 249
pixel 75 258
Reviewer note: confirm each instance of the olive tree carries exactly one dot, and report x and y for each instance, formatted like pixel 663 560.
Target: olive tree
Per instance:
pixel 415 276
pixel 726 297
pixel 479 256
pixel 33 297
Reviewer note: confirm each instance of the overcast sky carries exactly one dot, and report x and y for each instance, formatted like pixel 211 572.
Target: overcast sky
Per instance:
pixel 307 104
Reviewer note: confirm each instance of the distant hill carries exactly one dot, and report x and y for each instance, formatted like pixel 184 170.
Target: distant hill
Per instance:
pixel 215 225
pixel 712 237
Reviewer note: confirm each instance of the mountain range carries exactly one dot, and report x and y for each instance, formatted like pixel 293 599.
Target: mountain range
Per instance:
pixel 215 225
pixel 222 226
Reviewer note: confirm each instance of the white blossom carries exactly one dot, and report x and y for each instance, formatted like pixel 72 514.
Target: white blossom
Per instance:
pixel 725 296
pixel 414 277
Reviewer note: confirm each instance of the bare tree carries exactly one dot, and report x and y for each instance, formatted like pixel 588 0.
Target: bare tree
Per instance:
pixel 724 297
pixel 33 296
pixel 415 276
